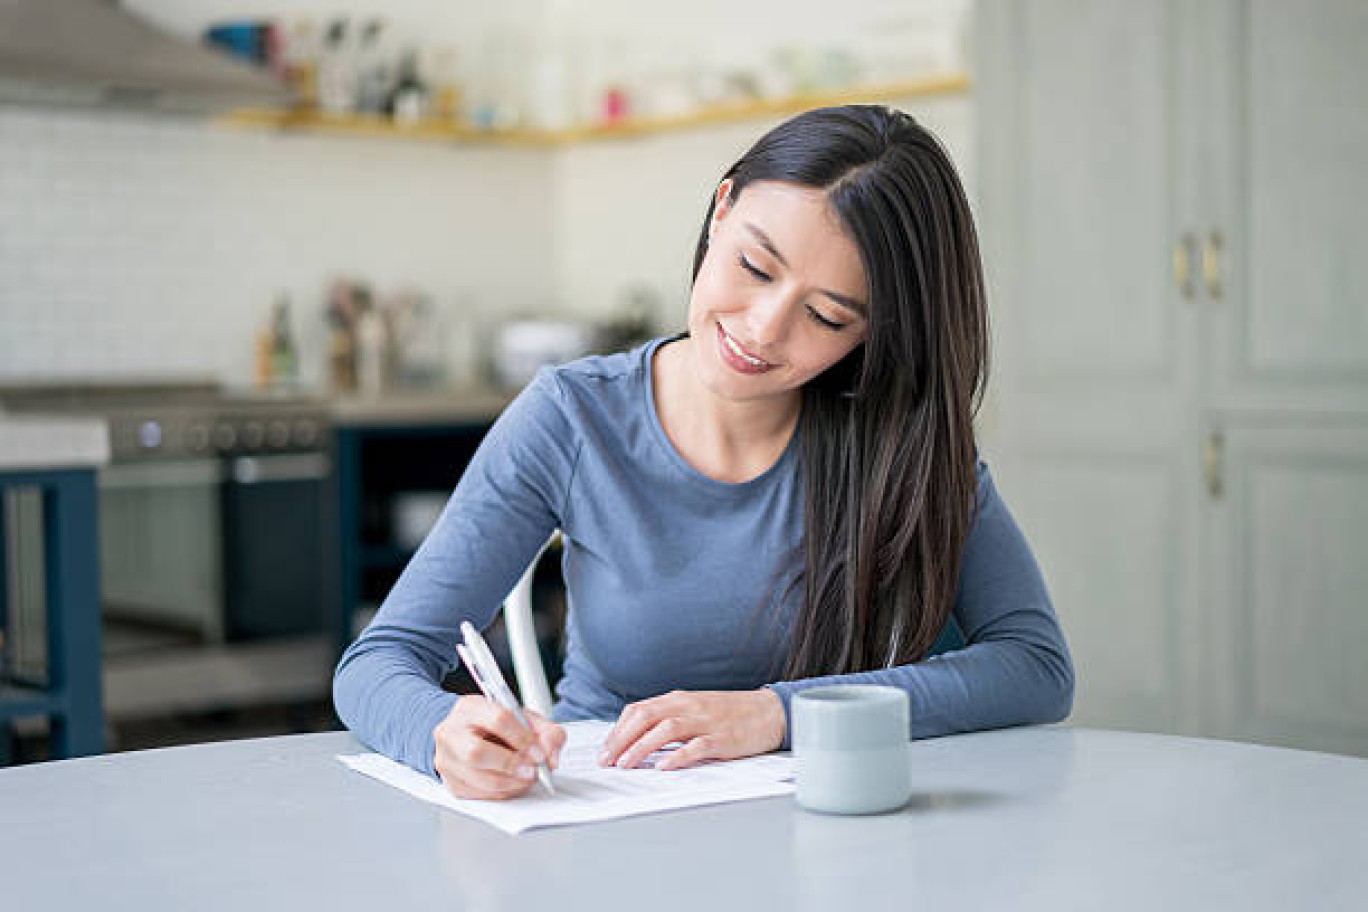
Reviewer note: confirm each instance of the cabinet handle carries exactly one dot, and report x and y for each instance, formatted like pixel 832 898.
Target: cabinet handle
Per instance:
pixel 1213 459
pixel 1212 264
pixel 1184 253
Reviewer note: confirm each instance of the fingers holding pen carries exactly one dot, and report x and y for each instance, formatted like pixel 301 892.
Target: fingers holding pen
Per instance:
pixel 495 721
pixel 482 751
pixel 550 736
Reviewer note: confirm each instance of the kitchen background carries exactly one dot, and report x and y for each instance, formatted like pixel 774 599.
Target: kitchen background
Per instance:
pixel 1170 201
pixel 158 245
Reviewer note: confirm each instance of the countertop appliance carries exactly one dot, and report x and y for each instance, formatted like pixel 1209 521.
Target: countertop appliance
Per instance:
pixel 215 589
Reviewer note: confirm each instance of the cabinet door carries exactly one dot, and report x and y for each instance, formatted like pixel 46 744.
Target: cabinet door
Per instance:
pixel 1288 604
pixel 1083 144
pixel 1288 140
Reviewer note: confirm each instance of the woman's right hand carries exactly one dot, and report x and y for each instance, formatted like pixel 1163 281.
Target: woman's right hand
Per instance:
pixel 481 751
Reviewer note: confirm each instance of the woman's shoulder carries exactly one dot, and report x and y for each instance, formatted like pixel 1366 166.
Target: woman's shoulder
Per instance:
pixel 601 383
pixel 602 368
pixel 622 366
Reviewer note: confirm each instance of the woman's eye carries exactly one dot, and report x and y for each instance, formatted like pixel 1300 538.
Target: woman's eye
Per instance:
pixel 749 267
pixel 823 321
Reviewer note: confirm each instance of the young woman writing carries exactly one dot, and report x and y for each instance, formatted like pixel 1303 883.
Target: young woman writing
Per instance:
pixel 787 495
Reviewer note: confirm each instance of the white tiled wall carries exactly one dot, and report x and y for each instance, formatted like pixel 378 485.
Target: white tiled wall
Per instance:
pixel 156 246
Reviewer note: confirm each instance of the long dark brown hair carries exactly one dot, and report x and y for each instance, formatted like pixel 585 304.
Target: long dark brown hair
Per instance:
pixel 886 435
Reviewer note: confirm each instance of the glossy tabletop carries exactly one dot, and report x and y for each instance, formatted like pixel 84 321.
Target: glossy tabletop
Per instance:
pixel 1033 818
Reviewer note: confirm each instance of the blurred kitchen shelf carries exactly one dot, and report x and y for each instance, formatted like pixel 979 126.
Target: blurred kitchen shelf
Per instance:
pixel 443 131
pixel 18 700
pixel 208 678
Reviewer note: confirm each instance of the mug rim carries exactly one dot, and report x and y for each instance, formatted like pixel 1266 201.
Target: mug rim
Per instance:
pixel 838 695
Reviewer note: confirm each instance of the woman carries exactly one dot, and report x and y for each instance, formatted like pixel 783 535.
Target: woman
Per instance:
pixel 787 495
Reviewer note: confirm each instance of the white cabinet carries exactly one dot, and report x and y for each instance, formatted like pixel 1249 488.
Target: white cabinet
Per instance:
pixel 1173 203
pixel 1285 604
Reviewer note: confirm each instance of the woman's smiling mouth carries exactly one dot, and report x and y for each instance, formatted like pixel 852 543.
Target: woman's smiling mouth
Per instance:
pixel 736 357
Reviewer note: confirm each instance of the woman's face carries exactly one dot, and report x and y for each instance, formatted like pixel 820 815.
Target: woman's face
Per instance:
pixel 780 295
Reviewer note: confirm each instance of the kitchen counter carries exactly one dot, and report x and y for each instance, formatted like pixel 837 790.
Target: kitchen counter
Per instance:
pixel 32 442
pixel 400 409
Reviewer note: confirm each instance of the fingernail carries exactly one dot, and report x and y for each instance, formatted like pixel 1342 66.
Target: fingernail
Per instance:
pixel 526 772
pixel 603 759
pixel 622 762
pixel 537 755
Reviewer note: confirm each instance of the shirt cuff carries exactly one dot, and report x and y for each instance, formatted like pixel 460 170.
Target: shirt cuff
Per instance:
pixel 784 690
pixel 422 745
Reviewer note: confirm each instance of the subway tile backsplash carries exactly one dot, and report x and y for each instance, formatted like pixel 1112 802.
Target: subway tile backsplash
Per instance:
pixel 137 245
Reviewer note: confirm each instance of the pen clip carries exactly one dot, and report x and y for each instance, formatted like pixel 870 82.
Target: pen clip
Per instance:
pixel 472 667
pixel 493 683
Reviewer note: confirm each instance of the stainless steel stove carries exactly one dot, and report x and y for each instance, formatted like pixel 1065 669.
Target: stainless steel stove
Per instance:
pixel 213 560
pixel 158 420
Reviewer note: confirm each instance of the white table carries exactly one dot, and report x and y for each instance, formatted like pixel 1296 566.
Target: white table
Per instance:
pixel 1035 818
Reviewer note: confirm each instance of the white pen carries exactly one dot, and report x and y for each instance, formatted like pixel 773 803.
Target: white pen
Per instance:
pixel 479 661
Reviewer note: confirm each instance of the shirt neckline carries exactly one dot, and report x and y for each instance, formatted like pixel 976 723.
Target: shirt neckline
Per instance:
pixel 776 469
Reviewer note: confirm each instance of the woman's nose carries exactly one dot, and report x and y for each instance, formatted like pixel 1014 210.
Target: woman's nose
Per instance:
pixel 767 319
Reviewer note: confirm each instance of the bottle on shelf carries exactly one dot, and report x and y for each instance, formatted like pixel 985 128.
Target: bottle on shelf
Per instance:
pixel 549 71
pixel 447 97
pixel 337 72
pixel 261 358
pixel 408 103
pixel 373 352
pixel 284 356
pixel 340 316
pixel 301 63
pixel 375 79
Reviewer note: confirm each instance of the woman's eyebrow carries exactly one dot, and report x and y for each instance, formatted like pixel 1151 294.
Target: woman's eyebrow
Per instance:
pixel 763 239
pixel 765 242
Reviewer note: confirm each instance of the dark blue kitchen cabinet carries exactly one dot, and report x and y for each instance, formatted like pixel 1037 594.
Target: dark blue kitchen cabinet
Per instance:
pixel 378 462
pixel 70 693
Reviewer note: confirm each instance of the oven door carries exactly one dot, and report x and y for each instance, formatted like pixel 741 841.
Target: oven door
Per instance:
pixel 160 546
pixel 273 546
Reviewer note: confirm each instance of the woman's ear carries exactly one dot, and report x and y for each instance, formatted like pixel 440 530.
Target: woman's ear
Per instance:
pixel 722 204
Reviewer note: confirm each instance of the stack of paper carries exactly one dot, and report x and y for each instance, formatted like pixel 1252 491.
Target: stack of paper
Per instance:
pixel 586 792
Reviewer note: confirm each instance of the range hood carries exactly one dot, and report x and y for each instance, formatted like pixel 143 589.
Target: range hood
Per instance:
pixel 95 53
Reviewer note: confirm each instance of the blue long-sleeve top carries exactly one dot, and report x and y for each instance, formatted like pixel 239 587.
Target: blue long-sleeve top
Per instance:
pixel 674 580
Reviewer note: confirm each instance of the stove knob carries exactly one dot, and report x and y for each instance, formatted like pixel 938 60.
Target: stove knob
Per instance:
pixel 122 441
pixel 225 437
pixel 277 434
pixel 253 433
pixel 150 435
pixel 197 438
pixel 306 432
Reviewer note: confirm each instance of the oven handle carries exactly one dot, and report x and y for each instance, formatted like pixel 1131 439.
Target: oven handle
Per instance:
pixel 249 470
pixel 188 473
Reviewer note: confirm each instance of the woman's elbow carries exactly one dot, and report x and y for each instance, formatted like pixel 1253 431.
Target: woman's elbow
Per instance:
pixel 347 687
pixel 1056 689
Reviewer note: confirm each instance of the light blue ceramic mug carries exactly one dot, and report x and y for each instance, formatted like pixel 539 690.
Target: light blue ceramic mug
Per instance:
pixel 850 749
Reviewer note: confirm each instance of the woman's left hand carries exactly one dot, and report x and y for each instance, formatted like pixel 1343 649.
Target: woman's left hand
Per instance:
pixel 712 724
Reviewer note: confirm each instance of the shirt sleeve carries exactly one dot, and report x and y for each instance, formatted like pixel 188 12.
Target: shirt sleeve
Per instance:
pixel 1015 668
pixel 387 686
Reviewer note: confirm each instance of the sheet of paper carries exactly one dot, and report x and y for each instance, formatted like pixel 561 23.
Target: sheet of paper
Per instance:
pixel 585 792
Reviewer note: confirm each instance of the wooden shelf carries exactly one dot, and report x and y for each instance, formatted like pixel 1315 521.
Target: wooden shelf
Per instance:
pixel 446 131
